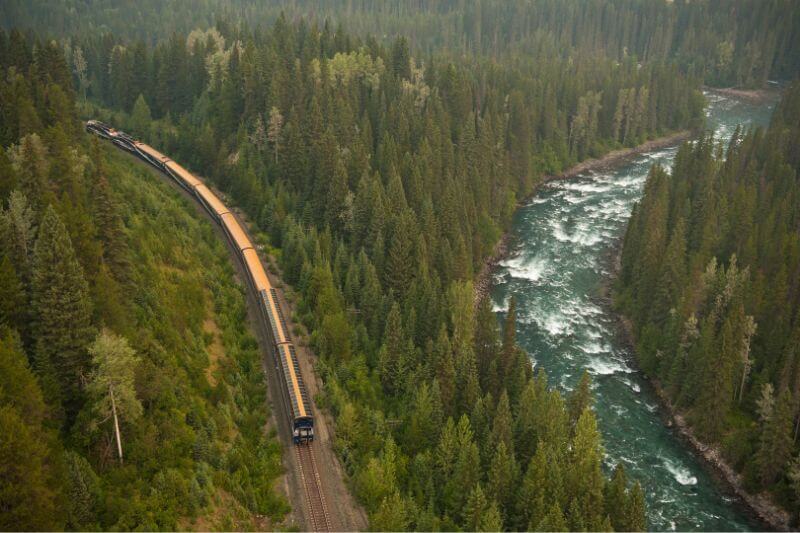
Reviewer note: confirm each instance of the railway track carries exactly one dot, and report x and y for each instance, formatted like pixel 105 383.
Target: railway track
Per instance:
pixel 315 499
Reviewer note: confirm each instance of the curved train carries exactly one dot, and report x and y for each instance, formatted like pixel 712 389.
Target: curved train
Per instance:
pixel 298 407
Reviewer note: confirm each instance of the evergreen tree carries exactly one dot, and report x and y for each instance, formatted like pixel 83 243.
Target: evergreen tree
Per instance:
pixel 62 310
pixel 28 494
pixel 580 399
pixel 13 301
pixel 777 441
pixel 112 382
pixel 140 117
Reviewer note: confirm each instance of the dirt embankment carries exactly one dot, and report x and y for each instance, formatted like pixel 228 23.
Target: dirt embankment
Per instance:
pixel 483 280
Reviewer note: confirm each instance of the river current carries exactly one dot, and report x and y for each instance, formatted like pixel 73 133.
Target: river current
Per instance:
pixel 562 241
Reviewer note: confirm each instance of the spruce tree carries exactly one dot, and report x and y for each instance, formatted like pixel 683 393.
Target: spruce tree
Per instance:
pixel 13 300
pixel 62 312
pixel 28 491
pixel 777 440
pixel 581 398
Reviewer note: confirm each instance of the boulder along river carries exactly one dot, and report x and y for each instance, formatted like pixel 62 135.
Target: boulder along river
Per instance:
pixel 559 260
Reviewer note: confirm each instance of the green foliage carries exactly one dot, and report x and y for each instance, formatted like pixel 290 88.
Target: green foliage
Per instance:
pixel 706 265
pixel 82 232
pixel 61 309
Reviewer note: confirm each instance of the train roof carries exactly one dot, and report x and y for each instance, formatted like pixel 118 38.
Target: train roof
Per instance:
pixel 236 232
pixel 294 381
pixel 183 174
pixel 275 317
pixel 152 152
pixel 211 199
pixel 253 264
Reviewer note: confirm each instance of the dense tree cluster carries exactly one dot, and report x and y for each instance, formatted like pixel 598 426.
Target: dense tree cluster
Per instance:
pixel 710 271
pixel 726 42
pixel 385 180
pixel 383 171
pixel 95 358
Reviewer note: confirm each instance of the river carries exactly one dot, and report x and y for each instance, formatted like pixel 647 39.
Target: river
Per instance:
pixel 562 241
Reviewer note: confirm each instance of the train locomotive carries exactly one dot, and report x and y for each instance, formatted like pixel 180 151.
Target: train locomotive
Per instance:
pixel 297 405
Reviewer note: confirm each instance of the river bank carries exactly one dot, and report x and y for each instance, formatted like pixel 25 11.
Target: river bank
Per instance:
pixel 760 506
pixel 482 282
pixel 753 96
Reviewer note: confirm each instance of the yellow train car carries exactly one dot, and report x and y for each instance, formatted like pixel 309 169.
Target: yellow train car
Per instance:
pixel 299 411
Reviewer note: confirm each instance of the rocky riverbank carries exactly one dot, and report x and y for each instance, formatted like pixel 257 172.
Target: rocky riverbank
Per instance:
pixel 760 505
pixel 754 96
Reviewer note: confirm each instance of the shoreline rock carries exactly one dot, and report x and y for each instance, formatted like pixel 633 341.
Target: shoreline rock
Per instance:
pixel 753 96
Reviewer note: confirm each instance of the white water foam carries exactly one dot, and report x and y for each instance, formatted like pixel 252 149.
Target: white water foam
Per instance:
pixel 501 307
pixel 586 186
pixel 634 386
pixel 522 267
pixel 584 235
pixel 681 474
pixel 594 348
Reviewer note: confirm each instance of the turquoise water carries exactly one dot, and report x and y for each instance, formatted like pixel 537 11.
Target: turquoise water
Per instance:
pixel 563 239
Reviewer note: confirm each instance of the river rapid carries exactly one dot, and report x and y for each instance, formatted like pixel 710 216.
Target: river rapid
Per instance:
pixel 562 240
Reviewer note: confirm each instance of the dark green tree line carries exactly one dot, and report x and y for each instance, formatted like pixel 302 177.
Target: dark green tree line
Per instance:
pixel 710 270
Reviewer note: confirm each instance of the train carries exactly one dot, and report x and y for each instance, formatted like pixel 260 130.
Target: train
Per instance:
pixel 296 401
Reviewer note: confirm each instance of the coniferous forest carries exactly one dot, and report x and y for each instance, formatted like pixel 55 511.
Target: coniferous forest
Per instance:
pixel 710 272
pixel 380 150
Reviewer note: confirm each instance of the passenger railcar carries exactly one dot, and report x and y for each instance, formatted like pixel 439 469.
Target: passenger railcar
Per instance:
pixel 297 403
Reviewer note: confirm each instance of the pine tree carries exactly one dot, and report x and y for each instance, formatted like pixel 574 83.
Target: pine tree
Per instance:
pixel 502 431
pixel 581 398
pixel 392 515
pixel 586 481
pixel 140 117
pixel 509 348
pixel 636 510
pixel 19 387
pixel 32 167
pixel 777 440
pixel 274 129
pixel 28 490
pixel 525 424
pixel 486 345
pixel 502 479
pixel 83 490
pixel 13 301
pixel 475 510
pixel 616 500
pixel 393 361
pixel 401 58
pixel 553 521
pixel 399 265
pixel 62 310
pixel 110 229
pixel 112 383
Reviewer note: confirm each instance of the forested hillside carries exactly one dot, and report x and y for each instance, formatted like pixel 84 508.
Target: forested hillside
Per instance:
pixel 724 42
pixel 711 278
pixel 94 255
pixel 384 170
pixel 386 180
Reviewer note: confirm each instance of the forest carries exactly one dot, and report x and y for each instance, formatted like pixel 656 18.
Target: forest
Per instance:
pixel 710 272
pixel 383 153
pixel 727 42
pixel 88 281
